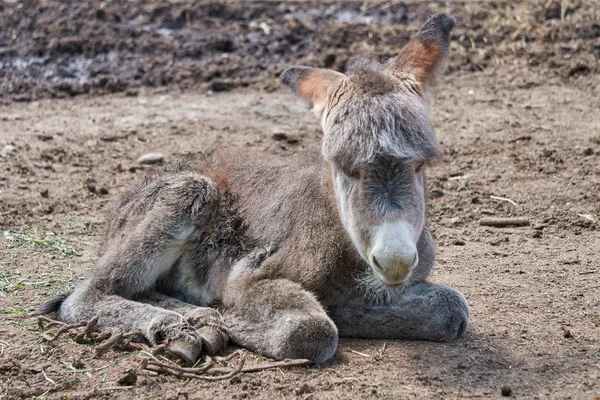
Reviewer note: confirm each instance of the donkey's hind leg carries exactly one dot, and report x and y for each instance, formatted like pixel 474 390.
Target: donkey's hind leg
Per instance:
pixel 149 234
pixel 207 321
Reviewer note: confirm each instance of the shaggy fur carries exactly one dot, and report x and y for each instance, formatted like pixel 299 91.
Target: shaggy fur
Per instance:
pixel 275 253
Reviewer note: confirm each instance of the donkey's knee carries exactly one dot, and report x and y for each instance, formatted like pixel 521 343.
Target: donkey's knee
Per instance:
pixel 279 319
pixel 448 311
pixel 313 337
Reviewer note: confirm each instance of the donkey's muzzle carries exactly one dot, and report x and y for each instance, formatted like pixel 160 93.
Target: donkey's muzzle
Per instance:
pixel 394 253
pixel 396 272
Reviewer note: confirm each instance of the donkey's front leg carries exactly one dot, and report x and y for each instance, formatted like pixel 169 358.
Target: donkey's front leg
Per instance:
pixel 426 312
pixel 279 319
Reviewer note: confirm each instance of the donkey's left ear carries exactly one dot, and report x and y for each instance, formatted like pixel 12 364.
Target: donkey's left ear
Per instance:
pixel 314 85
pixel 422 60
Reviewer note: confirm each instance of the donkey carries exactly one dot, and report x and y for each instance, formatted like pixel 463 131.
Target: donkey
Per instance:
pixel 283 255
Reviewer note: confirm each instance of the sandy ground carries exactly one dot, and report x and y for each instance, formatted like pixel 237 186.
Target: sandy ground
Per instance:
pixel 524 127
pixel 534 291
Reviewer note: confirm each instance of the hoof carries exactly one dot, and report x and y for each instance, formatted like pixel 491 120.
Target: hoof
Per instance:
pixel 188 351
pixel 213 339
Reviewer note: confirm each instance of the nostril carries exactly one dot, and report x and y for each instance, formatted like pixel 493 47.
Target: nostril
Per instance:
pixel 415 261
pixel 376 263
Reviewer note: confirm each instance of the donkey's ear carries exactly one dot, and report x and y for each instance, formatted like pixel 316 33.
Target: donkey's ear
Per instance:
pixel 314 85
pixel 422 60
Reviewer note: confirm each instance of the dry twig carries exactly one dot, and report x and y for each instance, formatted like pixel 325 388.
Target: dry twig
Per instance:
pixel 107 340
pixel 504 222
pixel 504 199
pixel 359 353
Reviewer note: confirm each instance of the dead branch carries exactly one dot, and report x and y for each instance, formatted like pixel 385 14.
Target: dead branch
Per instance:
pixel 192 373
pixel 108 344
pixel 504 222
pixel 505 199
pixel 277 364
pixel 64 328
pixel 107 340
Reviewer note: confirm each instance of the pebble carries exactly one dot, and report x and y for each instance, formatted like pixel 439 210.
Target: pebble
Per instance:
pixel 303 389
pixel 506 391
pixel 151 158
pixel 7 150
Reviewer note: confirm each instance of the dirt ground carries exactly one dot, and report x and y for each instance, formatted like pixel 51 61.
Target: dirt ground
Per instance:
pixel 517 118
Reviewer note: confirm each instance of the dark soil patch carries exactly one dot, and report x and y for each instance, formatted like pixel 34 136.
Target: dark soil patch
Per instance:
pixel 63 48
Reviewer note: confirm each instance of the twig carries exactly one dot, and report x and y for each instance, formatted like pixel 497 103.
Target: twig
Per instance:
pixel 45 322
pixel 589 271
pixel 504 199
pixel 48 379
pixel 237 353
pixel 64 328
pixel 359 353
pixel 89 328
pixel 382 349
pixel 178 368
pixel 504 222
pixel 589 217
pixel 192 373
pixel 277 364
pixel 526 137
pixel 108 344
pixel 459 177
pixel 153 365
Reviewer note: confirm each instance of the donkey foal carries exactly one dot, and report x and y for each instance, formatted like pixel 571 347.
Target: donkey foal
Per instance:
pixel 295 251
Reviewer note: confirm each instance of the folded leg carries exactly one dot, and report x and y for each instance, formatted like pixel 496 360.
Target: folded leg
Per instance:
pixel 426 312
pixel 279 319
pixel 148 233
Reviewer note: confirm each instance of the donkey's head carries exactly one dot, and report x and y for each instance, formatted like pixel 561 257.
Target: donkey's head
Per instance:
pixel 377 139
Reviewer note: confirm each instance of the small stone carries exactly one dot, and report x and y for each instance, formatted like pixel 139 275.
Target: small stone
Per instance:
pixel 45 138
pixel 128 379
pixel 45 194
pixel 132 92
pixel 498 241
pixel 506 391
pixel 436 193
pixel 303 389
pixel 279 136
pixel 588 152
pixel 8 150
pixel 151 158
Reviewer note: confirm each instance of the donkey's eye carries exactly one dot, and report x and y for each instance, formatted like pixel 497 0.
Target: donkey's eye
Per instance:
pixel 419 167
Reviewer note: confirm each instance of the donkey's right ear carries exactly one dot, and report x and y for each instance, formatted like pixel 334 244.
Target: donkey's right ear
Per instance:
pixel 314 85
